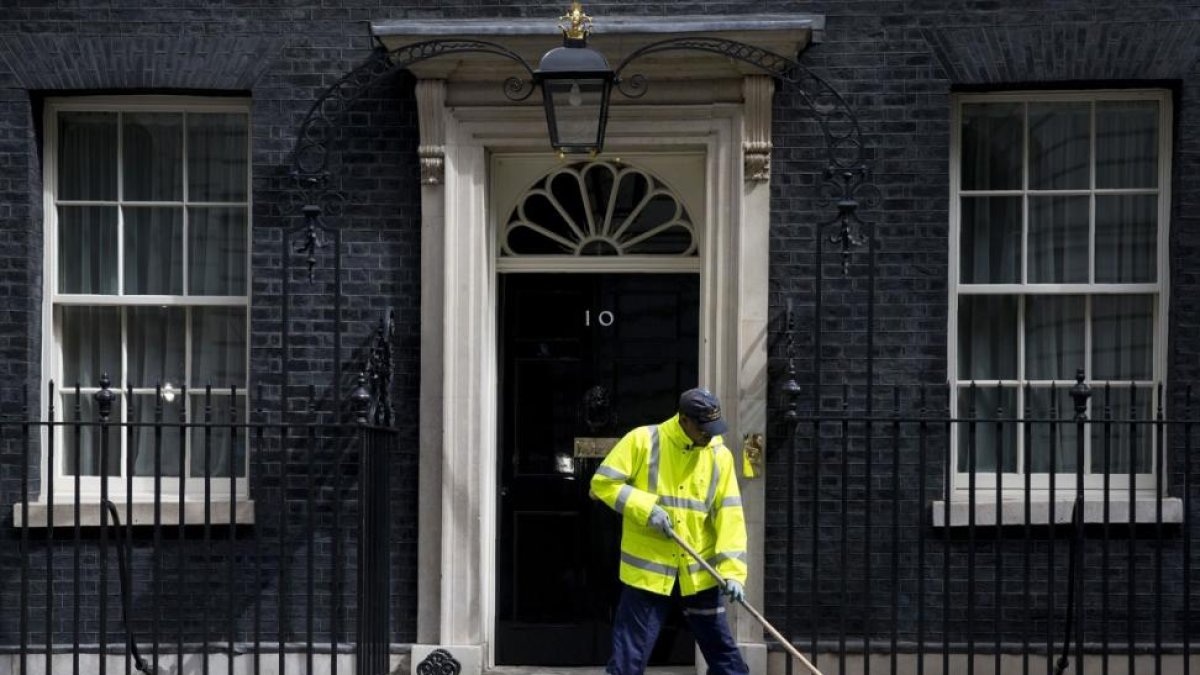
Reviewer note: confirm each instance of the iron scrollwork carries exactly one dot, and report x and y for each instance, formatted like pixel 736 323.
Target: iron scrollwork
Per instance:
pixel 845 182
pixel 371 398
pixel 439 662
pixel 379 372
pixel 316 192
pixel 312 152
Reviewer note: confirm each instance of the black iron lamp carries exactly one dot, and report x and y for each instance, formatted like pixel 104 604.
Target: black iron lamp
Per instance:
pixel 576 81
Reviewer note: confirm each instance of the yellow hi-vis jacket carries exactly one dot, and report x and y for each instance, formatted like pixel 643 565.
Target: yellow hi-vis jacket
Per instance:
pixel 696 486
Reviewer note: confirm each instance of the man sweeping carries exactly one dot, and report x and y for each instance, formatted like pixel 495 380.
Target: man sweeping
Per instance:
pixel 677 475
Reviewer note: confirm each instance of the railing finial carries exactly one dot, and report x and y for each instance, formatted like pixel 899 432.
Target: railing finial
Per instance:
pixel 104 398
pixel 360 399
pixel 1080 393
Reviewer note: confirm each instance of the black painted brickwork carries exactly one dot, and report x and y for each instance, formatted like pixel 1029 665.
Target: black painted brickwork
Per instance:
pixel 896 61
pixel 282 70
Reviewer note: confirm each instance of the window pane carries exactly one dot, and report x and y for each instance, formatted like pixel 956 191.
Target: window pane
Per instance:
pixel 1122 337
pixel 991 146
pixel 87 249
pixel 156 345
pixel 987 337
pixel 574 104
pixel 1058 146
pixel 219 346
pixel 217 441
pixel 87 156
pixel 991 240
pixel 217 251
pixel 82 447
pixel 1058 240
pixel 1054 336
pixel 153 251
pixel 91 345
pixel 1127 144
pixel 1117 411
pixel 1126 238
pixel 217 157
pixel 149 440
pixel 1055 437
pixel 660 211
pixel 153 156
pixel 982 404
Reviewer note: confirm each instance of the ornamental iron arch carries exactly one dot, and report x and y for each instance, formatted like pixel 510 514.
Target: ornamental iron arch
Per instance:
pixel 844 184
pixel 843 187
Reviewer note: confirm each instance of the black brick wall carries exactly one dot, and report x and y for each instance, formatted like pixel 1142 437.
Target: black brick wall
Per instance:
pixel 51 51
pixel 897 62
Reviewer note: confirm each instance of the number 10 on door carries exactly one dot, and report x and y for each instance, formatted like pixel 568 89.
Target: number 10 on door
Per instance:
pixel 604 318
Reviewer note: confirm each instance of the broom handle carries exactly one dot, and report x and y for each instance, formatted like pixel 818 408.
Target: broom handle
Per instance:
pixel 753 612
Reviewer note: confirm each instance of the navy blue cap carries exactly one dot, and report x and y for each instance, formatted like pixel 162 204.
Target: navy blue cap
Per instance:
pixel 702 406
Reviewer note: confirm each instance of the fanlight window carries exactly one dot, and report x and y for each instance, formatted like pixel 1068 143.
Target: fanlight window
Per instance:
pixel 599 209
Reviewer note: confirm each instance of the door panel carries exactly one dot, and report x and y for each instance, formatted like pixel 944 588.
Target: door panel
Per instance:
pixel 588 357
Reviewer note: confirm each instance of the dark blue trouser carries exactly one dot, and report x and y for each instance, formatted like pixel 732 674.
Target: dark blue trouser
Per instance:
pixel 640 615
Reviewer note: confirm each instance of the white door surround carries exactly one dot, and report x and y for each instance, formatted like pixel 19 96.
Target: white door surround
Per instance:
pixel 458 439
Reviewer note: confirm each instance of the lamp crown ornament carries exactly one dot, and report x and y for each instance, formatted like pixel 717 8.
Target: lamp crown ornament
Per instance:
pixel 575 25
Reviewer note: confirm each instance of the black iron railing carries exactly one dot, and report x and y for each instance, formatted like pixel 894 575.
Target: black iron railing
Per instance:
pixel 1042 539
pixel 270 553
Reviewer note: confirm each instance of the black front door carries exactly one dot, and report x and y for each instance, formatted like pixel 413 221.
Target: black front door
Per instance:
pixel 583 359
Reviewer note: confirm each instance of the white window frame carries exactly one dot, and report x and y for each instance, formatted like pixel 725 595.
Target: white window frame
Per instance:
pixel 1013 484
pixel 51 361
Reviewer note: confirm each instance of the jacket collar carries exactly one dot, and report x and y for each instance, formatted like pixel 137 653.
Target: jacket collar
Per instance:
pixel 673 431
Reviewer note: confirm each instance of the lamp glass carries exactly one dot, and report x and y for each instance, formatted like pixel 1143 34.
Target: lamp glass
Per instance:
pixel 575 112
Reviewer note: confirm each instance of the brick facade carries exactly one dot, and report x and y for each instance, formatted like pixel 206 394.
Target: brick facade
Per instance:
pixel 896 62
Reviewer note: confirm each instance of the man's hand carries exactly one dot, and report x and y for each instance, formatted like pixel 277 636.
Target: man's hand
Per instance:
pixel 735 590
pixel 660 520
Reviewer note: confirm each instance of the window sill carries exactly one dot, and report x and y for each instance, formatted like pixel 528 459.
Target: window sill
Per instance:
pixel 1013 511
pixel 142 513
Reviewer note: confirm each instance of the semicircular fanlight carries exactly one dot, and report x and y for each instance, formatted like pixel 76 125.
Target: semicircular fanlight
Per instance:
pixel 598 209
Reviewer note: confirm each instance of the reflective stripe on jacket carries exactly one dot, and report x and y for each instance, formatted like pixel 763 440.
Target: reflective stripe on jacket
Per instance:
pixel 698 488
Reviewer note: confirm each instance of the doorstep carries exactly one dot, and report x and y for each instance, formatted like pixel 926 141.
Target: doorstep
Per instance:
pixel 595 670
pixel 467 660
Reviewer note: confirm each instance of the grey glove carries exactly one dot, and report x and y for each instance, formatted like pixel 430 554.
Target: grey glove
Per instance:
pixel 735 590
pixel 660 520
